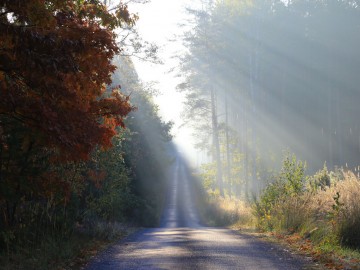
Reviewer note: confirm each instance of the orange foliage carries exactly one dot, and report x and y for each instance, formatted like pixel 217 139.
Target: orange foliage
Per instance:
pixel 55 61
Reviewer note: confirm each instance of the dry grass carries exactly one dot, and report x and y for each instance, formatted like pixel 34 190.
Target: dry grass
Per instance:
pixel 328 215
pixel 229 211
pixel 339 206
pixel 323 223
pixel 348 219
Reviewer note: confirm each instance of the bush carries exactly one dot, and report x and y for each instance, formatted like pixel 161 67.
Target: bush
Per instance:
pixel 279 204
pixel 321 180
pixel 327 211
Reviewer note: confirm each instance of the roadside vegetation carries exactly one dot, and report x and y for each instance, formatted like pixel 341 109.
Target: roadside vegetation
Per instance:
pixel 82 163
pixel 251 92
pixel 322 209
pixel 318 215
pixel 103 199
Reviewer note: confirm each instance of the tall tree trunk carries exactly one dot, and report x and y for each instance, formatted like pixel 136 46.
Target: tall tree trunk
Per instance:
pixel 216 143
pixel 331 132
pixel 246 149
pixel 228 160
pixel 252 66
pixel 254 82
pixel 240 127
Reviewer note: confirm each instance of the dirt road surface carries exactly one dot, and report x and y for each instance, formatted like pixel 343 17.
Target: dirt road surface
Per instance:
pixel 182 243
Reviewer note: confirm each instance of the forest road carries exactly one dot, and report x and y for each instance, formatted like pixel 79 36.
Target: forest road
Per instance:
pixel 182 243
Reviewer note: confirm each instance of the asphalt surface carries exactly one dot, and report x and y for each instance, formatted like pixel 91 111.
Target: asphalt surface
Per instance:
pixel 182 243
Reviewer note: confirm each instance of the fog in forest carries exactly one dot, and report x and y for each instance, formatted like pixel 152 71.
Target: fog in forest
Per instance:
pixel 179 114
pixel 267 77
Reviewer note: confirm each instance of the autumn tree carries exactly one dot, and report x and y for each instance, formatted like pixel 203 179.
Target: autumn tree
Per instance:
pixel 55 65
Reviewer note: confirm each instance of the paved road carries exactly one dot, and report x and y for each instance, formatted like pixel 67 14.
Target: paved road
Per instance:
pixel 182 243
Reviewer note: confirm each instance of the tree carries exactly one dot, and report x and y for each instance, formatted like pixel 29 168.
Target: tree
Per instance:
pixel 201 85
pixel 287 85
pixel 55 63
pixel 146 147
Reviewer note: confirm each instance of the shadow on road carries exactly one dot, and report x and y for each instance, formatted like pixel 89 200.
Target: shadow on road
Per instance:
pixel 182 243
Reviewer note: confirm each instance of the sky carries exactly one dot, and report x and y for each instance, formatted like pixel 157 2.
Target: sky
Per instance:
pixel 160 22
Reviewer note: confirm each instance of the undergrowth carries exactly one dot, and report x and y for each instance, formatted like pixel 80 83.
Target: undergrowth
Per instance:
pixel 324 207
pixel 322 211
pixel 227 211
pixel 63 251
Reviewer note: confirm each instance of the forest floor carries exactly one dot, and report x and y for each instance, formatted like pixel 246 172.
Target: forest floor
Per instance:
pixel 93 247
pixel 71 253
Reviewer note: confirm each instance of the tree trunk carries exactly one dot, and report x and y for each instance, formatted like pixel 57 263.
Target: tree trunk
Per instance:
pixel 228 160
pixel 246 149
pixel 216 143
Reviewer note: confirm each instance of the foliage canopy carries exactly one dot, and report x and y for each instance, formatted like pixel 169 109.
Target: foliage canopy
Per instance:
pixel 55 63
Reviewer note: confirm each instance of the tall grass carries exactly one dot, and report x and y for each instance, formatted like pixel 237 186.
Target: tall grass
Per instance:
pixel 326 208
pixel 215 210
pixel 348 219
pixel 218 211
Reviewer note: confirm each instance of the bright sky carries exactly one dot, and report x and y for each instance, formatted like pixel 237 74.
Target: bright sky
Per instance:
pixel 159 22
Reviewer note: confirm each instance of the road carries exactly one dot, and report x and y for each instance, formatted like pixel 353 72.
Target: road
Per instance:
pixel 182 243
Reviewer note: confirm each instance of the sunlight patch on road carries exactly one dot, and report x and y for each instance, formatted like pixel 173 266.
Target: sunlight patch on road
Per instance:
pixel 165 251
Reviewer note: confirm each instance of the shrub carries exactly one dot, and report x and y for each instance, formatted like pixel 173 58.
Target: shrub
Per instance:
pixel 328 211
pixel 293 213
pixel 279 204
pixel 321 180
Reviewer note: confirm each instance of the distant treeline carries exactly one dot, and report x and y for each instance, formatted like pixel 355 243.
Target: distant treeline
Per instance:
pixel 265 76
